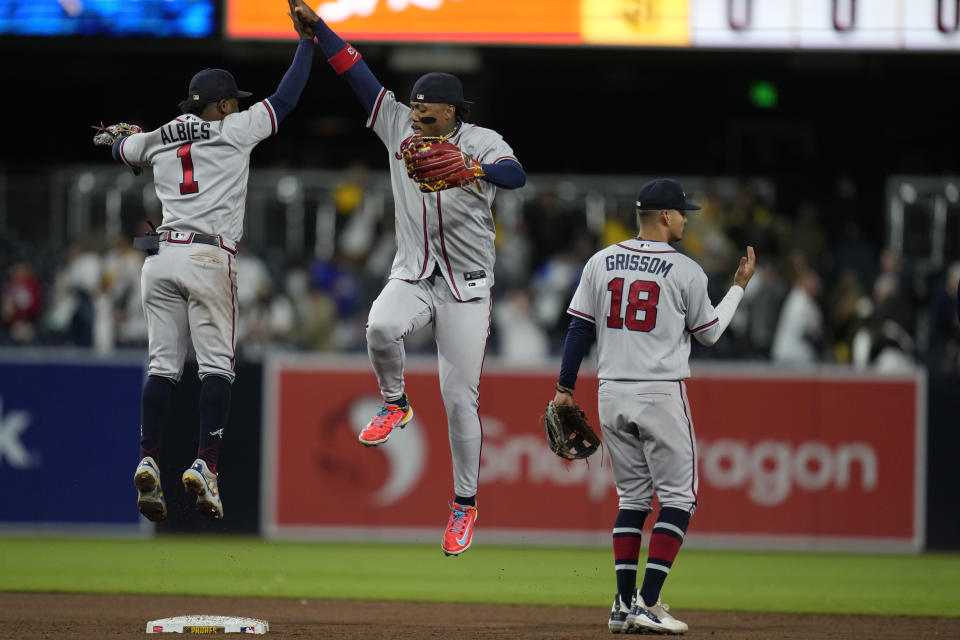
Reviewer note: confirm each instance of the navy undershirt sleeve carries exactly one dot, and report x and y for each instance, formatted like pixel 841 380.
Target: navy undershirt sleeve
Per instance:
pixel 580 336
pixel 329 41
pixel 294 80
pixel 364 84
pixel 506 173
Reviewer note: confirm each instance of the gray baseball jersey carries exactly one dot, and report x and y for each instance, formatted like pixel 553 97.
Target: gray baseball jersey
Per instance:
pixel 646 300
pixel 200 172
pixel 450 232
pixel 200 168
pixel 452 228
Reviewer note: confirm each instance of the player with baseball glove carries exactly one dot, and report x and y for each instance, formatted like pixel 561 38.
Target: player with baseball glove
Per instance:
pixel 200 161
pixel 445 173
pixel 642 301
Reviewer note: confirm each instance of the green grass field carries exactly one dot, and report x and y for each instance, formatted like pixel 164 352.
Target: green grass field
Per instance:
pixel 919 585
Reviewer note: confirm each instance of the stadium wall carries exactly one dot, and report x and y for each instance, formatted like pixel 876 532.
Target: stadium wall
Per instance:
pixel 823 459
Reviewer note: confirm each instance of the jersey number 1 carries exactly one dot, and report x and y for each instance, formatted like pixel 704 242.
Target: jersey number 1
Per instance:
pixel 635 304
pixel 189 185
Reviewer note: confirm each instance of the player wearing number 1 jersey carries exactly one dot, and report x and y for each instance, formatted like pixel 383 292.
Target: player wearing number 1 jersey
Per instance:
pixel 642 301
pixel 200 163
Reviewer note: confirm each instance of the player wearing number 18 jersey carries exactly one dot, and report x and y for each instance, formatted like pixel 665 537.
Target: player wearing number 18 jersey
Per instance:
pixel 642 301
pixel 200 162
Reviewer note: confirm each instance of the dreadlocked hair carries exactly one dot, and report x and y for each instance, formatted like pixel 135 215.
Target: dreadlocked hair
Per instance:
pixel 462 112
pixel 191 106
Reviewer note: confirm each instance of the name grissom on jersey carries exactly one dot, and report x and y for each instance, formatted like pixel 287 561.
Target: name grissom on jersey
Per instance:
pixel 650 264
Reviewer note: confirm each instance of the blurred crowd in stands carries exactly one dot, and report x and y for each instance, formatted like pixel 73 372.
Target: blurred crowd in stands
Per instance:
pixel 821 294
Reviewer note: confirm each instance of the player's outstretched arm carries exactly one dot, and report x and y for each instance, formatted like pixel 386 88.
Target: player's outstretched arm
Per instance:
pixel 285 98
pixel 728 306
pixel 342 56
pixel 295 79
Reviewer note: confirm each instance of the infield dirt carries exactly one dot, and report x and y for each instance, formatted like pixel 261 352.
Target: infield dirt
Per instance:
pixel 30 616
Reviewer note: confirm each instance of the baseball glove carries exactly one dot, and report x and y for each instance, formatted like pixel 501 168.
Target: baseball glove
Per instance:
pixel 110 134
pixel 436 164
pixel 569 434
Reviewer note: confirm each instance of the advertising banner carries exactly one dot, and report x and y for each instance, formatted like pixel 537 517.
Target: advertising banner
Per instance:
pixel 501 21
pixel 800 460
pixel 632 22
pixel 760 24
pixel 69 436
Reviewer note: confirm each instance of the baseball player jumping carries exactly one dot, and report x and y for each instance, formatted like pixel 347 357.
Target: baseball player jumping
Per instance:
pixel 642 300
pixel 443 269
pixel 200 162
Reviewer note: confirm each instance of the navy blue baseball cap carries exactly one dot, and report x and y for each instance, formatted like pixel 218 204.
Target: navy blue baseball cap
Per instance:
pixel 664 193
pixel 211 85
pixel 436 86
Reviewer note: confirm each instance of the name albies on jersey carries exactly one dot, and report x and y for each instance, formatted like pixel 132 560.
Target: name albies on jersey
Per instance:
pixel 646 299
pixel 183 131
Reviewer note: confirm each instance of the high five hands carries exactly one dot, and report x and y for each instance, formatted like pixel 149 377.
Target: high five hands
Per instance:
pixel 303 18
pixel 301 11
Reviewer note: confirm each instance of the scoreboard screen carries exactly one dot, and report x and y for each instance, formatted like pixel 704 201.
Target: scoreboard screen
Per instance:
pixel 109 18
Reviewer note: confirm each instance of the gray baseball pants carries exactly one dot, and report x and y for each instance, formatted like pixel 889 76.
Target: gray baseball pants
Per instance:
pixel 460 331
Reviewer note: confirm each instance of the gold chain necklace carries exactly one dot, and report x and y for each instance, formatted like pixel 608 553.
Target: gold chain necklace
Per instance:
pixel 444 137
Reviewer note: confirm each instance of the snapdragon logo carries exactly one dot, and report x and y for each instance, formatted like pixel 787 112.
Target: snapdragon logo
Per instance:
pixel 525 459
pixel 770 469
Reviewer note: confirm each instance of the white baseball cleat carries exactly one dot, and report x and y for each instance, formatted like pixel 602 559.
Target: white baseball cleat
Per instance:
pixel 652 619
pixel 618 616
pixel 202 482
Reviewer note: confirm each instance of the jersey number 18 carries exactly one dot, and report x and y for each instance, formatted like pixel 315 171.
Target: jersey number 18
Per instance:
pixel 635 304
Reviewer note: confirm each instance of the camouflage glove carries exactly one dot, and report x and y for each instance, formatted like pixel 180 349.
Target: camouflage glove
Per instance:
pixel 110 134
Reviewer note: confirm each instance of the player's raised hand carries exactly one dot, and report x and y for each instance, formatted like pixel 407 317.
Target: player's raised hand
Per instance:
pixel 302 27
pixel 303 11
pixel 745 271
